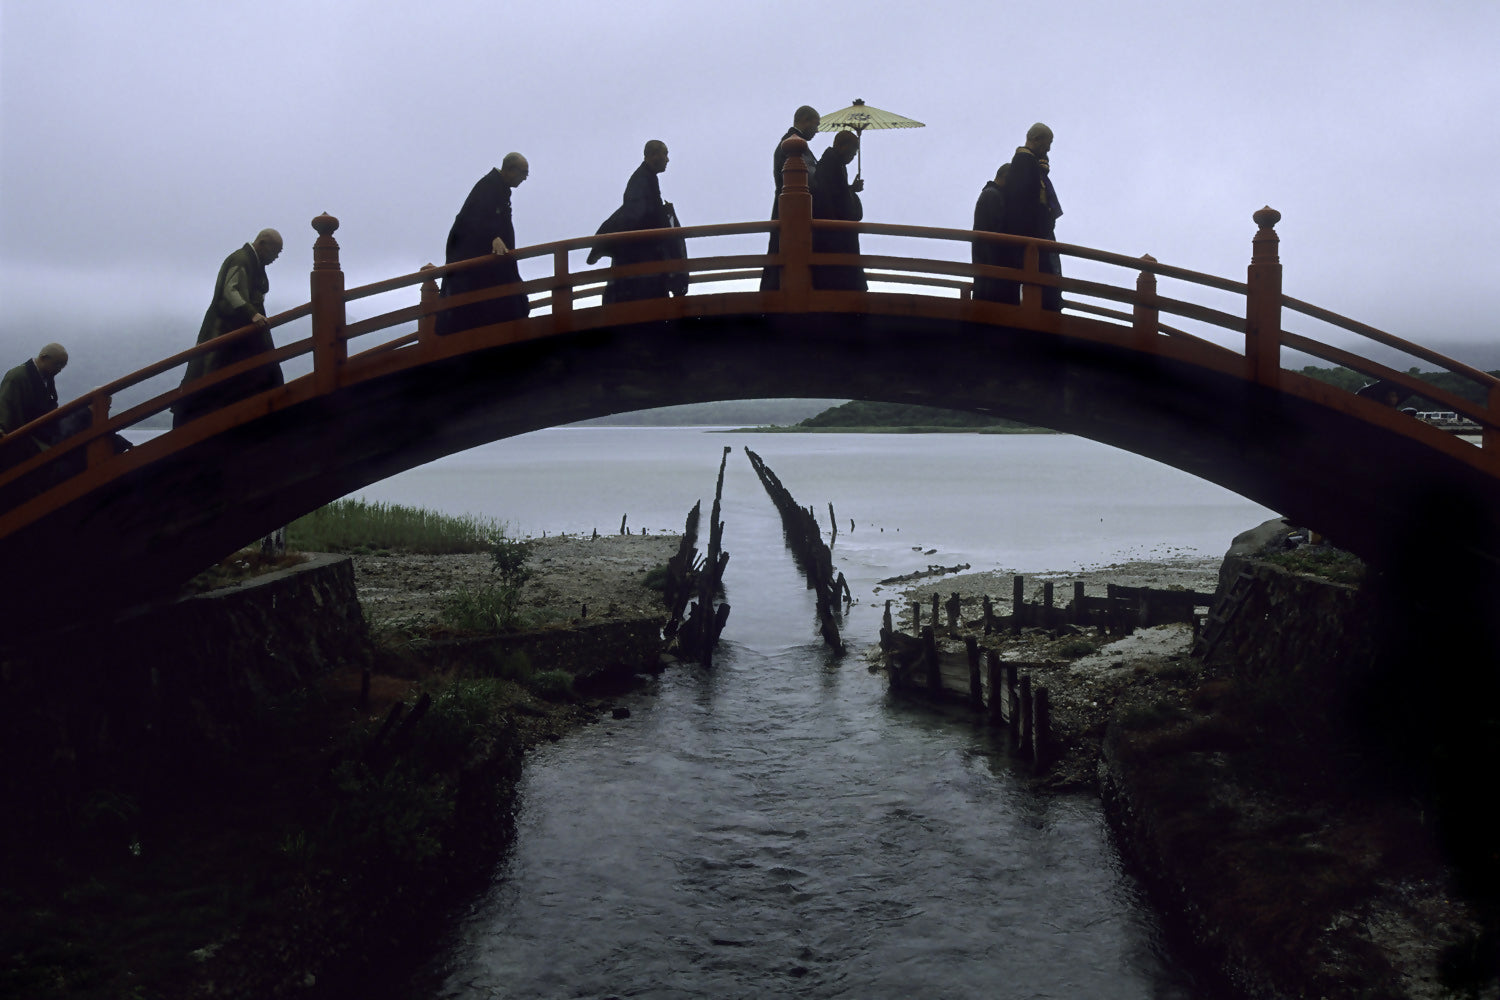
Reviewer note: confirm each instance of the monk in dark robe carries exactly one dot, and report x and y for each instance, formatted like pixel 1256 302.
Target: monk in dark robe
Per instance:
pixel 643 208
pixel 805 126
pixel 1031 209
pixel 27 392
pixel 484 226
pixel 989 217
pixel 834 197
pixel 239 300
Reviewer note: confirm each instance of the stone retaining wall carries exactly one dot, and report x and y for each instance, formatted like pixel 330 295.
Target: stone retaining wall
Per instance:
pixel 1298 633
pixel 164 688
pixel 591 653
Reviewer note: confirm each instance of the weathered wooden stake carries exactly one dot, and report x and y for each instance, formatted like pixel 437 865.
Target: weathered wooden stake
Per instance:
pixel 1048 621
pixel 930 654
pixel 997 687
pixel 976 681
pixel 1024 719
pixel 935 605
pixel 1041 728
pixel 989 615
pixel 954 605
pixel 1011 696
pixel 1017 602
pixel 1080 616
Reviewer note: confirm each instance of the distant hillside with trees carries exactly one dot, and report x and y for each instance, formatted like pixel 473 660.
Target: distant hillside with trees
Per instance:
pixel 905 418
pixel 727 413
pixel 1344 378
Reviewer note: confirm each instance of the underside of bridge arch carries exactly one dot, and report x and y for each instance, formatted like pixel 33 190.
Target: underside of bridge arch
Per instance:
pixel 149 530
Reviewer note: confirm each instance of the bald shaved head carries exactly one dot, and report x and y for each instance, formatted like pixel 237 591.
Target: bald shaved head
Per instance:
pixel 52 359
pixel 514 169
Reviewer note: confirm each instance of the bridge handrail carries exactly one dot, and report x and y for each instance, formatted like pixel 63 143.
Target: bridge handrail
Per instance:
pixel 1261 324
pixel 157 367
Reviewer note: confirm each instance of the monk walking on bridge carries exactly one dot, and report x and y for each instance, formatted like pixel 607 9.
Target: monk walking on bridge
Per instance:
pixel 804 126
pixel 483 226
pixel 1031 209
pixel 835 197
pixel 643 208
pixel 26 392
pixel 239 300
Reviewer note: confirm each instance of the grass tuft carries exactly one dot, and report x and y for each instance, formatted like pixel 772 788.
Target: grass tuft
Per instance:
pixel 360 526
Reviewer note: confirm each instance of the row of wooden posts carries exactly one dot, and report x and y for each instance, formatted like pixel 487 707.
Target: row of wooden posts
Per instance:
pixel 1002 689
pixel 915 667
pixel 1120 612
pixel 805 539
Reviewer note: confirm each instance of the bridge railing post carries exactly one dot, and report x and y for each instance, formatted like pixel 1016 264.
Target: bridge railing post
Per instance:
pixel 1489 438
pixel 562 292
pixel 1263 302
pixel 427 324
pixel 795 211
pixel 101 447
pixel 327 280
pixel 1146 315
pixel 1031 263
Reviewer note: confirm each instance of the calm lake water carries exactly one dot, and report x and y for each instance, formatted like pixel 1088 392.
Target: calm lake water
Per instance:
pixel 777 826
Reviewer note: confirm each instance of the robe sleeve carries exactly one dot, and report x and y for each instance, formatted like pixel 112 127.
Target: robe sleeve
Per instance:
pixel 236 297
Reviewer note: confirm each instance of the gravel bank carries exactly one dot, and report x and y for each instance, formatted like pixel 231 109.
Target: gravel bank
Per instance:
pixel 569 571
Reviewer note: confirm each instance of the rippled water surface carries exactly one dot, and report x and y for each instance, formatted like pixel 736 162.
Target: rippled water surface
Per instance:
pixel 777 826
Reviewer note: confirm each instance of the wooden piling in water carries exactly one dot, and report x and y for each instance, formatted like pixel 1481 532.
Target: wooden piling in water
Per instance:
pixel 930 655
pixel 1011 688
pixel 804 537
pixel 1021 734
pixel 1041 728
pixel 997 688
pixel 976 680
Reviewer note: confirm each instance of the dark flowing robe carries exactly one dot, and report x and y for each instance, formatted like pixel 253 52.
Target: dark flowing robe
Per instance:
pixel 833 198
pixel 989 217
pixel 642 208
pixel 239 294
pixel 25 394
pixel 1031 209
pixel 485 214
pixel 770 279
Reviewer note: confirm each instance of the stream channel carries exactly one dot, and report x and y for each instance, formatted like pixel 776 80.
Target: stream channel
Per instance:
pixel 778 826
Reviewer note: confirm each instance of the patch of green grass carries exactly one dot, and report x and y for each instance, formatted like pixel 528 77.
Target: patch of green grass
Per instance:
pixel 490 608
pixel 1323 561
pixel 366 528
pixel 554 684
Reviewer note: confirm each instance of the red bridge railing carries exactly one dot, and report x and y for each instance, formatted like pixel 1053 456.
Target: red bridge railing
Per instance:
pixel 935 287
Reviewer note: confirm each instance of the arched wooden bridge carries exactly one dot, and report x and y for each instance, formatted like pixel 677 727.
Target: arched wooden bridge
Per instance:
pixel 82 526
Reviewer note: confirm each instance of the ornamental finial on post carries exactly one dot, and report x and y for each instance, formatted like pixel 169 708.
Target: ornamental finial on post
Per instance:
pixel 794 169
pixel 1264 249
pixel 325 247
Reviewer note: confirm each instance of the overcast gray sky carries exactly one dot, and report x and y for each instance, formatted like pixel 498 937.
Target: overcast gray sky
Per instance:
pixel 143 141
